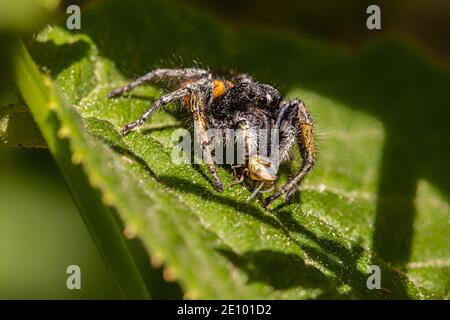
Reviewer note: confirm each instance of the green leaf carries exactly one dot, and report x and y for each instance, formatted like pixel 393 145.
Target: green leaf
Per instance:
pixel 379 194
pixel 44 101
pixel 18 129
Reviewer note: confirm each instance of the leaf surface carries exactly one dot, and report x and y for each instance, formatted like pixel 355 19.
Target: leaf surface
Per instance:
pixel 369 200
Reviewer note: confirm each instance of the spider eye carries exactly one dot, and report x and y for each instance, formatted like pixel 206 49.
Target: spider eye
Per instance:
pixel 274 102
pixel 251 95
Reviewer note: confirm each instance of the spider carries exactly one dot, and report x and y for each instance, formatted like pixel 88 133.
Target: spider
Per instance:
pixel 232 102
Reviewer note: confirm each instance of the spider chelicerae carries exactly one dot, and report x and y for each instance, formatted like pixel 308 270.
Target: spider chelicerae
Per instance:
pixel 236 101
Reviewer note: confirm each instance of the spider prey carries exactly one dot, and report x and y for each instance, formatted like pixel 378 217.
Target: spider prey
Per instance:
pixel 235 102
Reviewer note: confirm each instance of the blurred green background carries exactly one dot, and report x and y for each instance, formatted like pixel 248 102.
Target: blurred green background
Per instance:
pixel 342 22
pixel 41 232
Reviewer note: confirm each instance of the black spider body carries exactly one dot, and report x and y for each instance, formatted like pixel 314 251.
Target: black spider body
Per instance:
pixel 238 103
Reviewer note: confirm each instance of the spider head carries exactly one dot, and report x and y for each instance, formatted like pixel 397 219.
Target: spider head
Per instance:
pixel 262 169
pixel 253 94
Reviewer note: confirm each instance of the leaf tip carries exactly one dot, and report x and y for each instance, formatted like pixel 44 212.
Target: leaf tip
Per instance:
pixel 108 199
pixel 94 180
pixel 52 105
pixel 77 157
pixel 190 295
pixel 169 274
pixel 156 260
pixel 130 231
pixel 63 132
pixel 47 81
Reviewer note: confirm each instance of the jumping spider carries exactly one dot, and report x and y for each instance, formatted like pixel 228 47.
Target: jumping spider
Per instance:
pixel 231 102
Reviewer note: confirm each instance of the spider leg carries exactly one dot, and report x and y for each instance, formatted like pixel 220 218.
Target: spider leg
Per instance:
pixel 256 191
pixel 295 117
pixel 237 179
pixel 287 128
pixel 200 99
pixel 165 99
pixel 236 166
pixel 271 188
pixel 160 74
